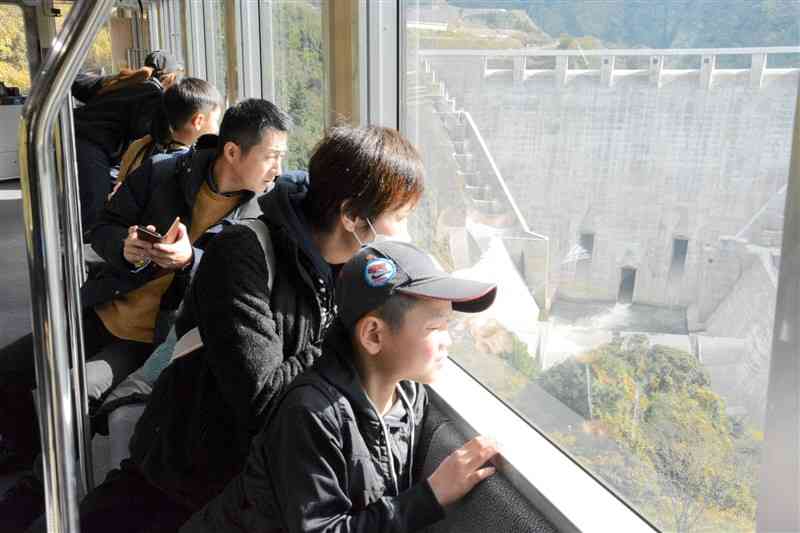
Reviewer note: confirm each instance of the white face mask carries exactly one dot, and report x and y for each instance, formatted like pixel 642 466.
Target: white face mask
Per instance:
pixel 380 237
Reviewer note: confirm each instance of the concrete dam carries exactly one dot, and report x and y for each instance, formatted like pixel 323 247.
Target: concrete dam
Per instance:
pixel 652 179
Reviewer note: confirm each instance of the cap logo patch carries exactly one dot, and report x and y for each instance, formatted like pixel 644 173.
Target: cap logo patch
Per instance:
pixel 379 272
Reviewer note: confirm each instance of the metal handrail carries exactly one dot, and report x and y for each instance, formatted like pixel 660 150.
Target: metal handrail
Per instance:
pixel 520 218
pixel 73 265
pixel 41 212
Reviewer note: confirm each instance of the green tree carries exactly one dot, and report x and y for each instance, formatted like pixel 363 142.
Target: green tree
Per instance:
pixel 657 432
pixel 692 450
pixel 299 74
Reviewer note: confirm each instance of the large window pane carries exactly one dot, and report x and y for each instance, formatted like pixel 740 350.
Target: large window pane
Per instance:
pixel 280 58
pixel 626 190
pixel 296 72
pixel 100 58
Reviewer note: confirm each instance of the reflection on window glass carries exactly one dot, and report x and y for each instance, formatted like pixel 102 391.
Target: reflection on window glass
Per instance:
pixel 14 69
pixel 627 192
pixel 297 73
pixel 100 58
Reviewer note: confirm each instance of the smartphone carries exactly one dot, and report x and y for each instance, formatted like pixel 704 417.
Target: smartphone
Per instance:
pixel 144 234
pixel 172 233
pixel 169 237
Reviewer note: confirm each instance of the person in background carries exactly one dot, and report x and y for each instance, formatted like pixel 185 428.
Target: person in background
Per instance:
pixel 117 110
pixel 189 109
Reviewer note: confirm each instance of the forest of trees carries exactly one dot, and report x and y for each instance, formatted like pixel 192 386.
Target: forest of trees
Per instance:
pixel 299 74
pixel 14 70
pixel 676 454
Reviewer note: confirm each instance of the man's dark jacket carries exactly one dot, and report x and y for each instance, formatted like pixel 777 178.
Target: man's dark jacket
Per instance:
pixel 207 406
pixel 322 462
pixel 161 189
pixel 116 118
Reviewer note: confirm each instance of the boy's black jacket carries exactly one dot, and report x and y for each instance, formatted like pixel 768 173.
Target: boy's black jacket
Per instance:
pixel 322 462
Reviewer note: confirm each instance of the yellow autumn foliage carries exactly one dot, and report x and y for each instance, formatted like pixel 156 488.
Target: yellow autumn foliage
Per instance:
pixel 14 69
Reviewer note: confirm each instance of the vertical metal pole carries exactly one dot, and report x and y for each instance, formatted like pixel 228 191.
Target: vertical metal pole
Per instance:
pixel 41 213
pixel 74 276
pixel 779 495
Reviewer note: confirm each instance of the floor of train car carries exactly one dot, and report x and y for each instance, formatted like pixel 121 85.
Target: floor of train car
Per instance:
pixel 15 296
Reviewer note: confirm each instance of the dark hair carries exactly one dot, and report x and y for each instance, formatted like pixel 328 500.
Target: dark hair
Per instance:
pixel 180 103
pixel 245 123
pixel 394 310
pixel 372 169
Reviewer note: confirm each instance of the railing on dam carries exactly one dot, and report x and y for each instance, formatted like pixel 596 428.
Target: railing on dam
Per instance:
pixel 610 64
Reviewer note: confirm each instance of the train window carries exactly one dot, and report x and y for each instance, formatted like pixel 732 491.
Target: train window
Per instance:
pixel 657 389
pixel 14 69
pixel 284 38
pixel 167 25
pixel 100 58
pixel 297 73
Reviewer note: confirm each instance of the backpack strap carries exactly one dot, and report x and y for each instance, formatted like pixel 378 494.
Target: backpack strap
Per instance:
pixel 261 230
pixel 191 340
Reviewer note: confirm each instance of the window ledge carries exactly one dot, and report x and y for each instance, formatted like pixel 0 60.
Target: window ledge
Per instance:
pixel 569 497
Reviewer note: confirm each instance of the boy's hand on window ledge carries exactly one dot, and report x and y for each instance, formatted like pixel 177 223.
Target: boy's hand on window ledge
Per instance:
pixel 462 470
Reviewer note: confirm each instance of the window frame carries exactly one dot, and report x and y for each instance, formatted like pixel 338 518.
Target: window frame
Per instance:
pixel 154 25
pixel 196 54
pixel 381 52
pixel 779 488
pixel 210 44
pixel 254 46
pixel 562 490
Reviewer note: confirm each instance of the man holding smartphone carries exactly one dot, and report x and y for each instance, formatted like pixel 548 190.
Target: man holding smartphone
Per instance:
pixel 167 251
pixel 131 300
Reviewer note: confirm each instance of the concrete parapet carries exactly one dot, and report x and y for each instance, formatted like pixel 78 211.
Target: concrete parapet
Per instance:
pixel 518 71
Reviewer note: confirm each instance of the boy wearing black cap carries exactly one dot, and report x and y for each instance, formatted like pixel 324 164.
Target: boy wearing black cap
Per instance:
pixel 336 454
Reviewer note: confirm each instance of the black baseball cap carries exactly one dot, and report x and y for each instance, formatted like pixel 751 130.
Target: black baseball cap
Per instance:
pixel 161 61
pixel 382 269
